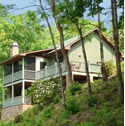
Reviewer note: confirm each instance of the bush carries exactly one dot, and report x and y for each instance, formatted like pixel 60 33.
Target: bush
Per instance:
pixel 46 113
pixel 110 68
pixel 18 118
pixel 73 104
pixel 91 100
pixel 56 99
pixel 44 91
pixel 74 87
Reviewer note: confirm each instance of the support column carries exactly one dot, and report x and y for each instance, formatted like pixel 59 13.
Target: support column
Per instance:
pixel 12 94
pixel 89 66
pixel 23 83
pixel 23 88
pixel 3 75
pixel 91 78
pixel 23 68
pixel 3 96
pixel 67 82
pixel 12 70
pixel 55 67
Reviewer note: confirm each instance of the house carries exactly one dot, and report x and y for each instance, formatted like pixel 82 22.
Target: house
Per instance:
pixel 20 70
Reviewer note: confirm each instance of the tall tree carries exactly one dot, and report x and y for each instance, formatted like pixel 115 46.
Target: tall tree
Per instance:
pixel 103 70
pixel 57 57
pixel 72 11
pixel 62 43
pixel 117 53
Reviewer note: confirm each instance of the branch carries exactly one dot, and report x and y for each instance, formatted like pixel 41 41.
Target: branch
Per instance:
pixel 23 8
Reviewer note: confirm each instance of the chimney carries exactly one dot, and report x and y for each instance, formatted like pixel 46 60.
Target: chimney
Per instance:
pixel 14 49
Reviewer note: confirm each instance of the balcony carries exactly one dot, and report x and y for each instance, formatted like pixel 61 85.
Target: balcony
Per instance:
pixel 16 101
pixel 50 71
pixel 28 74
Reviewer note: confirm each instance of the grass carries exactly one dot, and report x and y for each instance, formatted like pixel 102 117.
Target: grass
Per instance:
pixel 103 108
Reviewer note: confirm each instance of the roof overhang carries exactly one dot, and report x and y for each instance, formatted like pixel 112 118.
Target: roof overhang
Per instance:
pixel 19 56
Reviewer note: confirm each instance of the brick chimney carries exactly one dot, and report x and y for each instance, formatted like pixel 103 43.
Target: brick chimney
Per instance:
pixel 14 49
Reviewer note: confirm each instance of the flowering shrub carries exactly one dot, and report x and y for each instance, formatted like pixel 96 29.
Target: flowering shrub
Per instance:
pixel 43 91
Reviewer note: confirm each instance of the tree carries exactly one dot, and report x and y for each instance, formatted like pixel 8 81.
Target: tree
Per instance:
pixel 103 70
pixel 72 11
pixel 57 57
pixel 62 43
pixel 117 53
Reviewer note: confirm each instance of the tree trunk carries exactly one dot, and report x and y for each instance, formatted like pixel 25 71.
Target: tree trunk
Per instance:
pixel 85 58
pixel 57 58
pixel 103 71
pixel 117 53
pixel 60 29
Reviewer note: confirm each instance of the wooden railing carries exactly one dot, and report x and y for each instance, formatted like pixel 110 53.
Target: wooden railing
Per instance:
pixel 51 70
pixel 16 101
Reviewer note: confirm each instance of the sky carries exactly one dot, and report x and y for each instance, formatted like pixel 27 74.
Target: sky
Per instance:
pixel 25 3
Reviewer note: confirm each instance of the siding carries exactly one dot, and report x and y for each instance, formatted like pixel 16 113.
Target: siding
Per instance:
pixel 92 51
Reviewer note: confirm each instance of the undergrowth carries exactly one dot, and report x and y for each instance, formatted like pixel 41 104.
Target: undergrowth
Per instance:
pixel 102 108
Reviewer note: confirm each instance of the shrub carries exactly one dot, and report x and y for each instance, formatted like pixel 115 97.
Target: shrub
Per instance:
pixel 110 68
pixel 74 87
pixel 43 91
pixel 36 109
pixel 40 122
pixel 18 118
pixel 46 113
pixel 91 100
pixel 73 104
pixel 56 99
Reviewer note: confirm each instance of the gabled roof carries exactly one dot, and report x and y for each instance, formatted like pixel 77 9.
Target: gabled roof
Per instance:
pixel 19 56
pixel 68 43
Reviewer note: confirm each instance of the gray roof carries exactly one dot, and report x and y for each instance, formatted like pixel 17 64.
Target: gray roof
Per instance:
pixel 68 41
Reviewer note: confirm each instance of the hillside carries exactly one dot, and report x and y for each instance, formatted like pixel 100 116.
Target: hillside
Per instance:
pixel 103 108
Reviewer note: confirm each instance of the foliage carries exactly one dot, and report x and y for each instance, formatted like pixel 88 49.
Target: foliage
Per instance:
pixel 122 65
pixel 110 68
pixel 46 113
pixel 18 118
pixel 43 91
pixel 72 104
pixel 56 99
pixel 74 87
pixel 91 100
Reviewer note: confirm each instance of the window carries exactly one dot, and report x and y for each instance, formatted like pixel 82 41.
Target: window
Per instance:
pixel 29 63
pixel 8 69
pixel 42 65
pixel 60 59
pixel 17 65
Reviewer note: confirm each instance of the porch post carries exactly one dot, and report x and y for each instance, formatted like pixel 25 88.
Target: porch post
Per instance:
pixel 12 70
pixel 55 67
pixel 45 71
pixel 3 97
pixel 23 68
pixel 12 94
pixel 23 83
pixel 3 75
pixel 23 87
